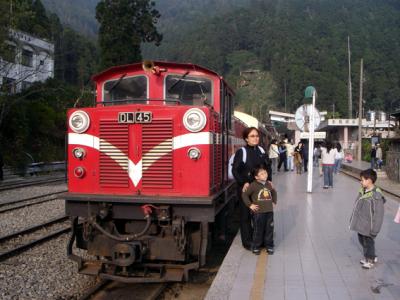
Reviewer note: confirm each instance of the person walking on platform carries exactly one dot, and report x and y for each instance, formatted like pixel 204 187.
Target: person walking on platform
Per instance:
pixel 289 155
pixel 367 216
pixel 373 156
pixel 282 156
pixel 274 156
pixel 338 158
pixel 260 198
pixel 245 160
pixel 328 162
pixel 379 156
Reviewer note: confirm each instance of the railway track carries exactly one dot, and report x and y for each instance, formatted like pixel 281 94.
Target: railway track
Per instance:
pixel 25 183
pixel 17 242
pixel 106 289
pixel 17 204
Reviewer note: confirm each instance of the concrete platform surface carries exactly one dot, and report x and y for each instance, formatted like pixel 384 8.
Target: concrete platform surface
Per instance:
pixel 317 256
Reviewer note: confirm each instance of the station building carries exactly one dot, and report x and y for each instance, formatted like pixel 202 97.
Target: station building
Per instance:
pixel 31 60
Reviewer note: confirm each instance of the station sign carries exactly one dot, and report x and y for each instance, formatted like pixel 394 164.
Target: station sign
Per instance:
pixel 317 135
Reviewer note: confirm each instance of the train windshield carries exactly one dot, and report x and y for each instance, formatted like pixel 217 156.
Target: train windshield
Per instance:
pixel 188 90
pixel 125 90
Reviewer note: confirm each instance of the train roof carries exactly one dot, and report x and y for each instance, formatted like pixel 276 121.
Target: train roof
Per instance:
pixel 162 64
pixel 250 121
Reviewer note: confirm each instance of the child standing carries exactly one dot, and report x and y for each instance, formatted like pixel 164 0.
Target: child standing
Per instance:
pixel 259 197
pixel 367 216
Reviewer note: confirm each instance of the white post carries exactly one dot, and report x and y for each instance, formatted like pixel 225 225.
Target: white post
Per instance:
pixel 311 146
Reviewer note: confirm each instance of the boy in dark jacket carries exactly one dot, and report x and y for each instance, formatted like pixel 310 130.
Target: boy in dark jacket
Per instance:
pixel 367 216
pixel 260 197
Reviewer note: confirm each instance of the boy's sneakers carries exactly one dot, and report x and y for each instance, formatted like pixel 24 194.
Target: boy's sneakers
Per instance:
pixel 256 251
pixel 364 260
pixel 369 264
pixel 270 251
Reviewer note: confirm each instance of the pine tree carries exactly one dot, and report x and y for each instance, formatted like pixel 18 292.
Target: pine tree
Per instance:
pixel 124 25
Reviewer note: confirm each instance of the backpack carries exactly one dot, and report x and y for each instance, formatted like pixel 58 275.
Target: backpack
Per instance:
pixel 244 157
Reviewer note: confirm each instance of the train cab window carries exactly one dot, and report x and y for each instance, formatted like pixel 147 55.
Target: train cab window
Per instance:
pixel 188 90
pixel 125 90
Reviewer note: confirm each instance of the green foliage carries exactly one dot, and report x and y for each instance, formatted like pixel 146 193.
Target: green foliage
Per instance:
pixel 124 25
pixel 32 123
pixel 30 16
pixel 76 58
pixel 76 14
pixel 35 123
pixel 299 42
pixel 367 146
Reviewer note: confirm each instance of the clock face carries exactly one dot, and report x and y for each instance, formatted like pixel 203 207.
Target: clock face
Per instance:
pixel 302 117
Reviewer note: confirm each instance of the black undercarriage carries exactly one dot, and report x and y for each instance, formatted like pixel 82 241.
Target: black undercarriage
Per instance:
pixel 132 239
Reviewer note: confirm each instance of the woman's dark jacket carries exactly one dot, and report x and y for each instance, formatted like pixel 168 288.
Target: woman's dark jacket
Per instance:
pixel 243 171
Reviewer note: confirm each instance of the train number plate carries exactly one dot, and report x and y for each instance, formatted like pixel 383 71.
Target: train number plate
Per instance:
pixel 135 117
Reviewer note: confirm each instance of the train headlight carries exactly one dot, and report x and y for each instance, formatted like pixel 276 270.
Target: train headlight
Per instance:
pixel 194 153
pixel 79 153
pixel 194 120
pixel 79 172
pixel 79 121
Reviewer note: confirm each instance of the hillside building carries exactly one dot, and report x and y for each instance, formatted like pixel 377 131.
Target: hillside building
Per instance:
pixel 31 60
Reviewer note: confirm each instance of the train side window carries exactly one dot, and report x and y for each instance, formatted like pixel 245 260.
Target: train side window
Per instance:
pixel 188 90
pixel 125 90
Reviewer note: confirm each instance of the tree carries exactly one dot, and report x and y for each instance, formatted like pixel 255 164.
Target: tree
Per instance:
pixel 124 25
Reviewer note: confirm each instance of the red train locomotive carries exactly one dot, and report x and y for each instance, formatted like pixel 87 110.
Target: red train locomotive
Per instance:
pixel 147 170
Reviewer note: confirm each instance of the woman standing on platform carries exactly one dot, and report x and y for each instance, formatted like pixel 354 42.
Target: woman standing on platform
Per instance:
pixel 328 162
pixel 242 171
pixel 338 158
pixel 274 156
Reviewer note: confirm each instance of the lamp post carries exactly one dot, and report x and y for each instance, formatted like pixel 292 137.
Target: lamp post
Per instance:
pixel 310 92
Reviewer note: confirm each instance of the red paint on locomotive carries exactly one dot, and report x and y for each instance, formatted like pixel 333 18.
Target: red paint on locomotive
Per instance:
pixel 147 170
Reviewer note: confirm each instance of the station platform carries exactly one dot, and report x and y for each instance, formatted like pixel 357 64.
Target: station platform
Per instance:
pixel 316 255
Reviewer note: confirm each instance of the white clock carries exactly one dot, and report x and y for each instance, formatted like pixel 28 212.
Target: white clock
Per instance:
pixel 302 117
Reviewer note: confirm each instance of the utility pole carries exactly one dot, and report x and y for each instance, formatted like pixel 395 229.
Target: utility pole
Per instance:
pixel 284 85
pixel 360 113
pixel 349 80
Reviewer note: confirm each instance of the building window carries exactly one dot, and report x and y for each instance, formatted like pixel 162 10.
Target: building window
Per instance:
pixel 8 86
pixel 27 58
pixel 10 53
pixel 26 85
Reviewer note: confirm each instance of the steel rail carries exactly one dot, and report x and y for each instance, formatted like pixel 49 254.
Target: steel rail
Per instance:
pixel 22 205
pixel 12 252
pixel 20 184
pixel 94 289
pixel 31 198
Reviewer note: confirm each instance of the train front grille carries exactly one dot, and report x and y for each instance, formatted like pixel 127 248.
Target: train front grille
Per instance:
pixel 113 154
pixel 157 148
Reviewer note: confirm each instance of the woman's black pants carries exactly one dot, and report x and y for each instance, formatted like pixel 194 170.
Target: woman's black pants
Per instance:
pixel 246 230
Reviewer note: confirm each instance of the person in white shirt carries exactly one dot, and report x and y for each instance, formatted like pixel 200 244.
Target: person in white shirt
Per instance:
pixel 274 156
pixel 379 156
pixel 338 158
pixel 328 162
pixel 290 152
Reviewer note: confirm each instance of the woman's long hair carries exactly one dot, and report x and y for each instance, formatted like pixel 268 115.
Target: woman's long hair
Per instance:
pixel 338 147
pixel 329 146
